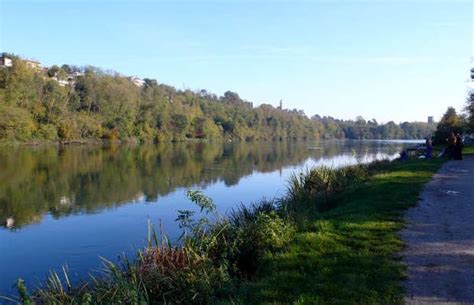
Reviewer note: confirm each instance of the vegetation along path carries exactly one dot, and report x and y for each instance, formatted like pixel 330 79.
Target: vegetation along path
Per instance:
pixel 440 239
pixel 348 253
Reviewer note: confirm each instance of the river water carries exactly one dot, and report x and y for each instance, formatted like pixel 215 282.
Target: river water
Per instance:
pixel 67 206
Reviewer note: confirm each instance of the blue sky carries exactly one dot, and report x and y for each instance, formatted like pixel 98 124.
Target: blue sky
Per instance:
pixel 389 60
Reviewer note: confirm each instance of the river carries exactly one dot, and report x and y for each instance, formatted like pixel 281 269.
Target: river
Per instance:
pixel 68 205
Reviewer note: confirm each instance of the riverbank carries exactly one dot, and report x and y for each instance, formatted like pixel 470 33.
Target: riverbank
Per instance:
pixel 333 237
pixel 351 253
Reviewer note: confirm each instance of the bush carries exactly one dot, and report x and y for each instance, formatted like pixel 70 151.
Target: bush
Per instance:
pixel 48 132
pixel 16 124
pixel 179 275
pixel 314 188
pixel 243 239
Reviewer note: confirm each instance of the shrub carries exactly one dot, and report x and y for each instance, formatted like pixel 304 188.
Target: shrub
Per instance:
pixel 179 275
pixel 48 132
pixel 15 124
pixel 313 188
pixel 242 240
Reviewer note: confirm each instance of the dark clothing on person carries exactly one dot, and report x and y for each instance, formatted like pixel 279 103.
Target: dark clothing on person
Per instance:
pixel 404 155
pixel 429 149
pixel 451 146
pixel 458 148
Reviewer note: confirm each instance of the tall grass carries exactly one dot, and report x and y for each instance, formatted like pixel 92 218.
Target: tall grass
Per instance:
pixel 310 191
pixel 214 253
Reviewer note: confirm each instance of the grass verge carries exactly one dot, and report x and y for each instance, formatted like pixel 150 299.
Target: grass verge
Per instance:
pixel 468 150
pixel 349 254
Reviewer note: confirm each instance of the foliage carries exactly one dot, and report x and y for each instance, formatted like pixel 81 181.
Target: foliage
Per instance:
pixel 242 240
pixel 98 105
pixel 16 124
pixel 470 107
pixel 349 254
pixel 310 191
pixel 450 122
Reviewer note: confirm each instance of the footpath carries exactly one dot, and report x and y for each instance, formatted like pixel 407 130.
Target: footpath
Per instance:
pixel 440 239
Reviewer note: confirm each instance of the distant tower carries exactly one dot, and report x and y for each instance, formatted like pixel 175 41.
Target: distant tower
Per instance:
pixel 430 120
pixel 281 105
pixel 472 69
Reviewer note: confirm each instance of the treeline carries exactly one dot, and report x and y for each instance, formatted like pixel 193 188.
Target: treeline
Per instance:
pixel 71 103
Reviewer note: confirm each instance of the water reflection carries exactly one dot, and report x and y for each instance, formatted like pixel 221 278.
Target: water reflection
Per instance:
pixel 70 205
pixel 61 181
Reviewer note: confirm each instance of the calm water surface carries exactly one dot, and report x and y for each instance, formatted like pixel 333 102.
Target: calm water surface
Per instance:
pixel 70 205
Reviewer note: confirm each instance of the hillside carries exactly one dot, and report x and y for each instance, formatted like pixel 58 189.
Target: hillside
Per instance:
pixel 69 103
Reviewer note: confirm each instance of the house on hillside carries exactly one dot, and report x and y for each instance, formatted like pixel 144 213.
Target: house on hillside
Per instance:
pixel 5 62
pixel 71 77
pixel 137 81
pixel 61 82
pixel 33 64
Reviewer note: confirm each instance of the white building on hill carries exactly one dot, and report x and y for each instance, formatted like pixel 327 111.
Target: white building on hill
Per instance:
pixel 137 81
pixel 5 62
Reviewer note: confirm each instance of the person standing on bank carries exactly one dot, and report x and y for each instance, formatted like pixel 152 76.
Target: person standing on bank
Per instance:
pixel 429 148
pixel 458 148
pixel 451 145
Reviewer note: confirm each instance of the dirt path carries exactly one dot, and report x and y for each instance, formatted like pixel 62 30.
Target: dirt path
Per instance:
pixel 440 239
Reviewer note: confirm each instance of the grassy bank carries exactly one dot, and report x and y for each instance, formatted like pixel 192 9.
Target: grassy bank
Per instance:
pixel 468 150
pixel 349 254
pixel 332 239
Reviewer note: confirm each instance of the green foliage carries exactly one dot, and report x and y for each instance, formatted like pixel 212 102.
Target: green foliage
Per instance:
pixel 310 191
pixel 241 241
pixel 470 111
pixel 23 292
pixel 450 122
pixel 16 124
pixel 47 132
pixel 348 254
pixel 105 105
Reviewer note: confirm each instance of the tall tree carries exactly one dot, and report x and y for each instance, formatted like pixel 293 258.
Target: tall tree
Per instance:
pixel 450 122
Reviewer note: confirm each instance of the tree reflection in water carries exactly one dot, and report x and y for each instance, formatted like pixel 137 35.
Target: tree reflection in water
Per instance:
pixel 64 180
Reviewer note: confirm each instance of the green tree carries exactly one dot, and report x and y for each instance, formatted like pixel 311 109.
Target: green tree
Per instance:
pixel 450 122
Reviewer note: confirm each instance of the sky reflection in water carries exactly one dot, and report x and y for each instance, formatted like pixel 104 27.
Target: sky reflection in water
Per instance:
pixel 70 205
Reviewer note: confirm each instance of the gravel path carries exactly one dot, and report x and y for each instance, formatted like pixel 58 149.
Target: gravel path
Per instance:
pixel 440 239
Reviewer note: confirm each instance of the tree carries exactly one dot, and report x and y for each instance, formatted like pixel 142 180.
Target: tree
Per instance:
pixel 470 114
pixel 470 105
pixel 106 105
pixel 450 122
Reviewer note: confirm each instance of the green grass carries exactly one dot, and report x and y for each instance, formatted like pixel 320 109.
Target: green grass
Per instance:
pixel 468 150
pixel 350 254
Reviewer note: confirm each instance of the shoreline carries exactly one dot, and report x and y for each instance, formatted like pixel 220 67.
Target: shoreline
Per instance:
pixel 221 141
